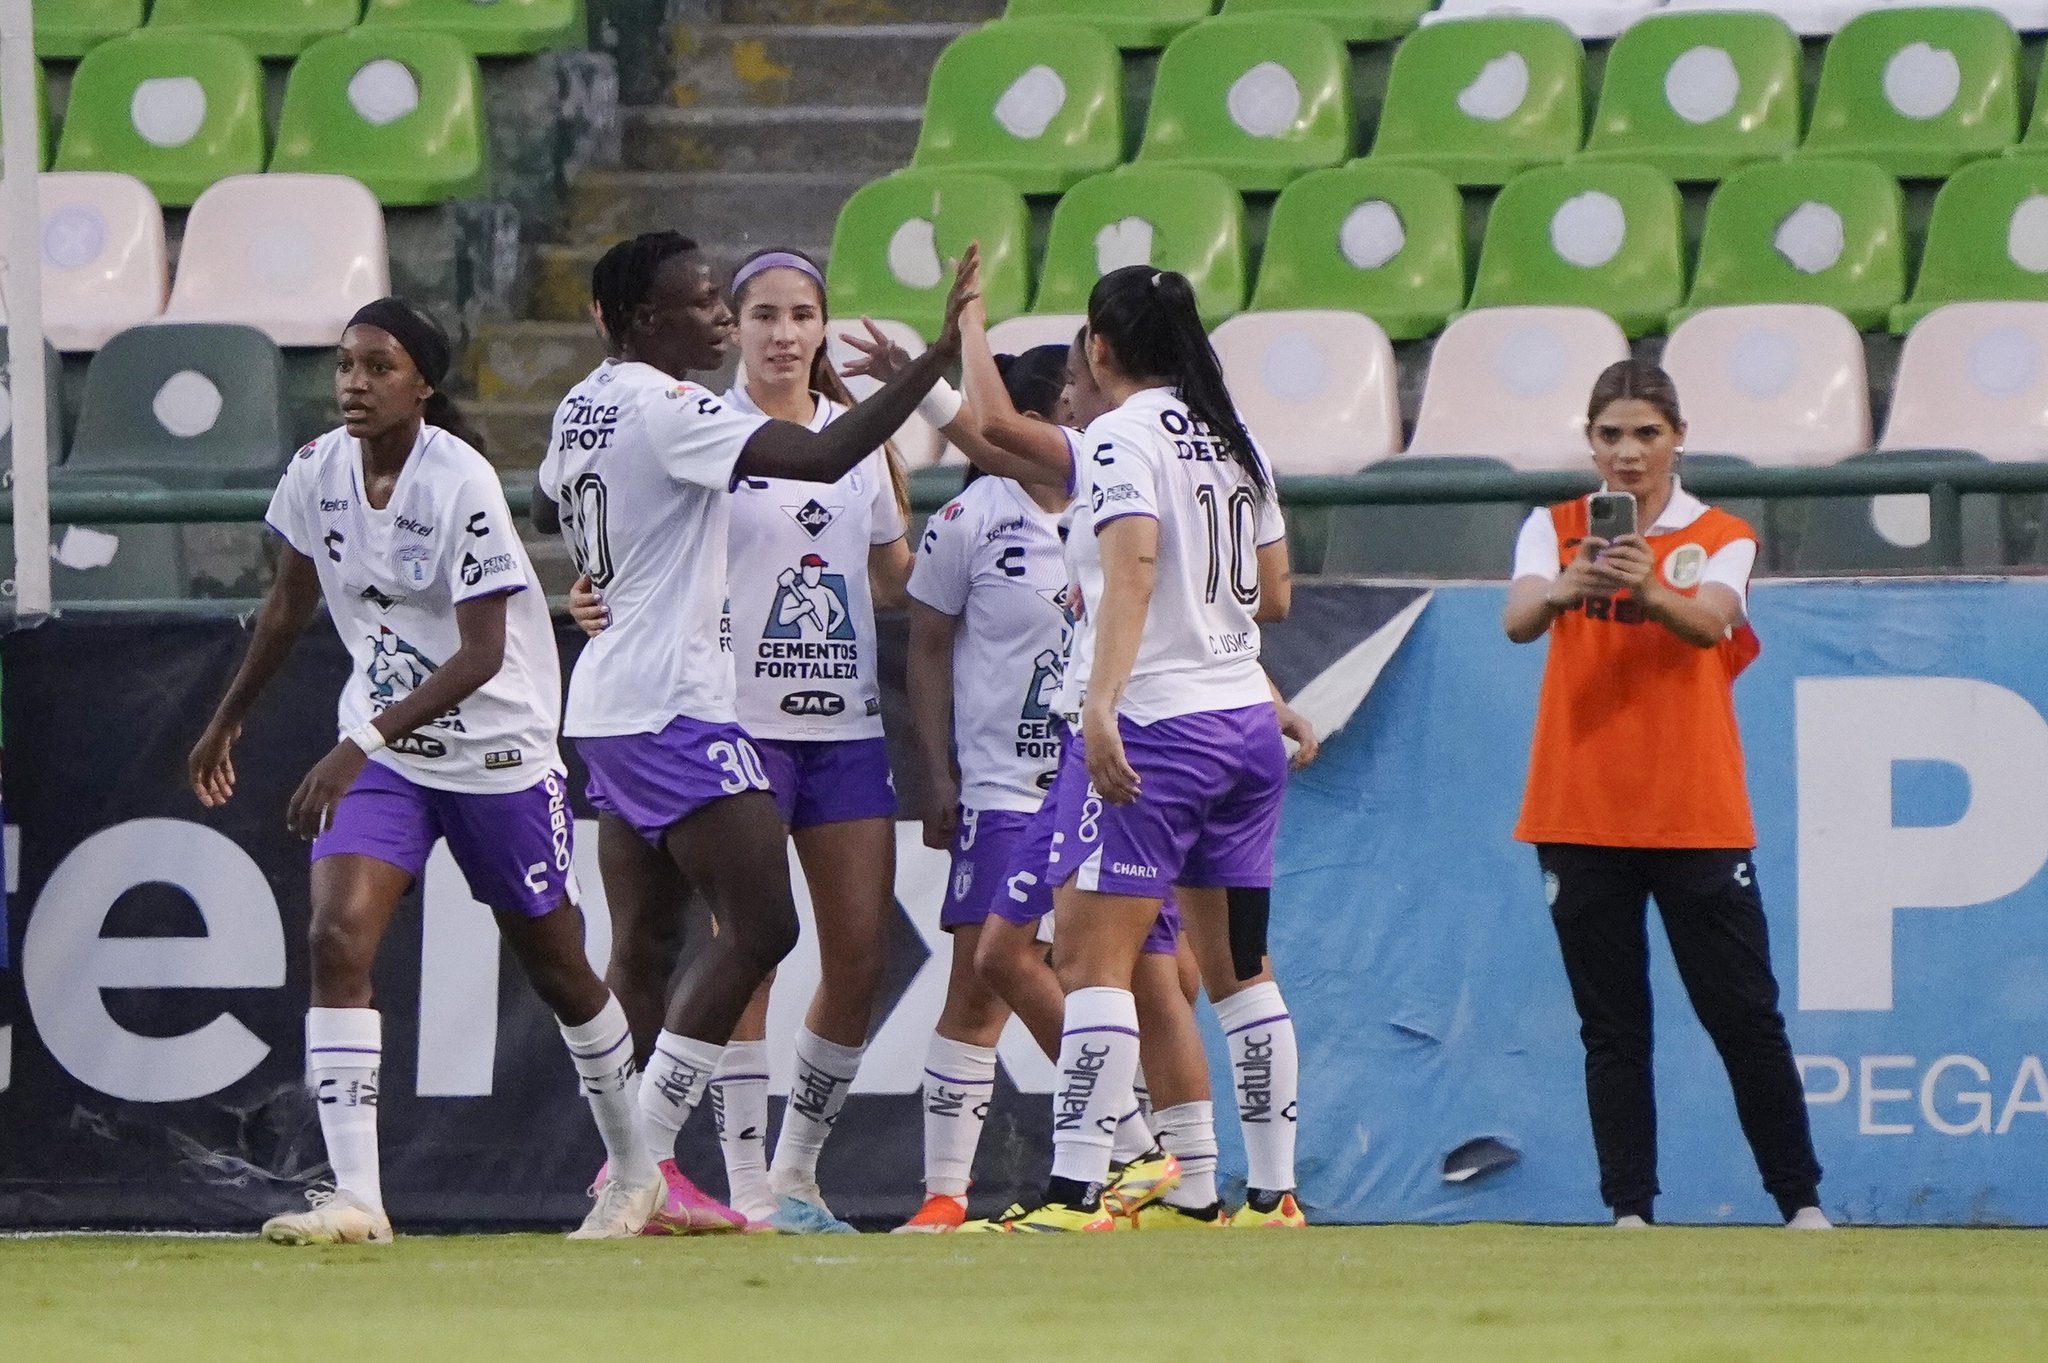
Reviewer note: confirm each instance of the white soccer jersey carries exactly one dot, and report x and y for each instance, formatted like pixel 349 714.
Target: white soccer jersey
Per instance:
pixel 392 579
pixel 1200 651
pixel 801 619
pixel 992 558
pixel 641 466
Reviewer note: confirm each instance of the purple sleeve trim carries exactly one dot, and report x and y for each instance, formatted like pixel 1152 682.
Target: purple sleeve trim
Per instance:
pixel 1124 515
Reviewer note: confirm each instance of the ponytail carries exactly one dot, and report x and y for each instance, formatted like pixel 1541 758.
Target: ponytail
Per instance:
pixel 1150 323
pixel 441 411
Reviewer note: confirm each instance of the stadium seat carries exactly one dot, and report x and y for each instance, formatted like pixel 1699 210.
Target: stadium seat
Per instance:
pixel 1918 91
pixel 1168 217
pixel 1807 18
pixel 1599 234
pixel 187 405
pixel 1699 95
pixel 175 110
pixel 1039 103
pixel 1450 540
pixel 502 28
pixel 1353 21
pixel 71 28
pixel 1020 334
pixel 1585 18
pixel 1805 231
pixel 1890 533
pixel 1776 383
pixel 1316 389
pixel 53 417
pixel 104 261
pixel 400 111
pixel 1987 239
pixel 1512 383
pixel 895 236
pixel 292 255
pixel 1140 24
pixel 1755 510
pixel 269 28
pixel 1483 99
pixel 1387 241
pixel 1974 376
pixel 1258 101
pixel 107 562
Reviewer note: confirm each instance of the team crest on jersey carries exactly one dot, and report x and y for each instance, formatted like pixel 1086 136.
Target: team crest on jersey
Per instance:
pixel 396 667
pixel 810 603
pixel 1685 565
pixel 415 561
pixel 1066 600
pixel 814 516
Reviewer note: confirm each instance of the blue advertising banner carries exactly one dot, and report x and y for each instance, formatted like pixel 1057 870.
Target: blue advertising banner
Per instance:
pixel 1897 755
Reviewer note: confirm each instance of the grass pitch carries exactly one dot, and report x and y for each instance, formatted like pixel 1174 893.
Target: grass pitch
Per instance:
pixel 1492 1294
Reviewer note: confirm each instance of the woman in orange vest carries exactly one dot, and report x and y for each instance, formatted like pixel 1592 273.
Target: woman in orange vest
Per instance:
pixel 1636 793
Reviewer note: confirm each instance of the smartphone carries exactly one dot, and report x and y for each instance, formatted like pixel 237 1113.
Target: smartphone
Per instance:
pixel 1610 515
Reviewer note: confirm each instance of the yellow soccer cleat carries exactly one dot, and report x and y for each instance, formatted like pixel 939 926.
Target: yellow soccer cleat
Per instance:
pixel 334 1218
pixel 1057 1216
pixel 1142 1182
pixel 1001 1224
pixel 1164 1216
pixel 1286 1216
pixel 940 1212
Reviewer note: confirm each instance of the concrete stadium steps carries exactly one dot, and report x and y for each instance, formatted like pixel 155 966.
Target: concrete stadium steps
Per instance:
pixel 532 361
pixel 773 64
pixel 860 11
pixel 875 138
pixel 761 207
pixel 561 273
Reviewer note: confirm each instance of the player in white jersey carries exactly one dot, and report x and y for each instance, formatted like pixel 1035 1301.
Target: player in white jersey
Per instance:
pixel 642 466
pixel 447 729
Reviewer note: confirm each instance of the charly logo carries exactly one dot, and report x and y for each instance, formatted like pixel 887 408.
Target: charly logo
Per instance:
pixel 810 603
pixel 1684 566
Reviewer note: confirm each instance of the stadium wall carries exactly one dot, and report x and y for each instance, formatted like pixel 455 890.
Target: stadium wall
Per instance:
pixel 1896 746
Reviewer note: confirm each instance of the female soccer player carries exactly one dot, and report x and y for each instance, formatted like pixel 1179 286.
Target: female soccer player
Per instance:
pixel 447 731
pixel 639 476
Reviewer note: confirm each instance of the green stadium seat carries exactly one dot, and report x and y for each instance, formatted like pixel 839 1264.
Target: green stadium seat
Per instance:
pixel 269 28
pixel 1987 239
pixel 1805 231
pixel 1039 103
pixel 1699 95
pixel 190 405
pixel 1885 534
pixel 1169 217
pixel 71 28
pixel 108 562
pixel 1258 101
pixel 501 28
pixel 1483 99
pixel 1353 21
pixel 53 413
pixel 895 237
pixel 2034 142
pixel 1140 24
pixel 1452 540
pixel 400 111
pixel 1597 235
pixel 177 111
pixel 1918 91
pixel 1387 241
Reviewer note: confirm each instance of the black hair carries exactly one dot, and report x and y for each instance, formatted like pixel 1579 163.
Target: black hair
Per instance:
pixel 1034 380
pixel 1635 379
pixel 624 276
pixel 1148 319
pixel 425 341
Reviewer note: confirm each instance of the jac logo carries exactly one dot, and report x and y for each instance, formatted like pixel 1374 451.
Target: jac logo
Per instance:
pixel 813 703
pixel 419 745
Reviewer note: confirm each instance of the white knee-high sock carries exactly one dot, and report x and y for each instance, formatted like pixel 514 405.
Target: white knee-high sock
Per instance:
pixel 1188 1131
pixel 1133 1135
pixel 602 1051
pixel 959 1080
pixel 678 1072
pixel 825 1072
pixel 344 1047
pixel 1142 1095
pixel 1265 1070
pixel 739 1100
pixel 1098 1057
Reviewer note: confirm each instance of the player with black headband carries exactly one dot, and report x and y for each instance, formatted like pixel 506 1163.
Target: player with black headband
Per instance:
pixel 447 725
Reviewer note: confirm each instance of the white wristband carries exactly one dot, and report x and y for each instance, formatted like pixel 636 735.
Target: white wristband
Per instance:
pixel 366 737
pixel 941 405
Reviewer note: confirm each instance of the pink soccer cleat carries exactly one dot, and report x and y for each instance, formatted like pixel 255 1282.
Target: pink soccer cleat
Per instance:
pixel 689 1210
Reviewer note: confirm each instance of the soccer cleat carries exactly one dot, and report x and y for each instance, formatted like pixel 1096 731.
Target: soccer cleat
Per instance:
pixel 940 1212
pixel 1809 1218
pixel 333 1218
pixel 1630 1222
pixel 689 1210
pixel 1165 1216
pixel 1285 1216
pixel 1001 1224
pixel 798 1216
pixel 1058 1216
pixel 621 1211
pixel 1142 1182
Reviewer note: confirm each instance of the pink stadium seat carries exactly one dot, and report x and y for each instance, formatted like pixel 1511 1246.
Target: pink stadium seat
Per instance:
pixel 1317 388
pixel 1776 383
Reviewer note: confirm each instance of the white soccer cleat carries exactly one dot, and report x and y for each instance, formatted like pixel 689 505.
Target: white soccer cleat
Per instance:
pixel 621 1210
pixel 1809 1218
pixel 1630 1223
pixel 334 1218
